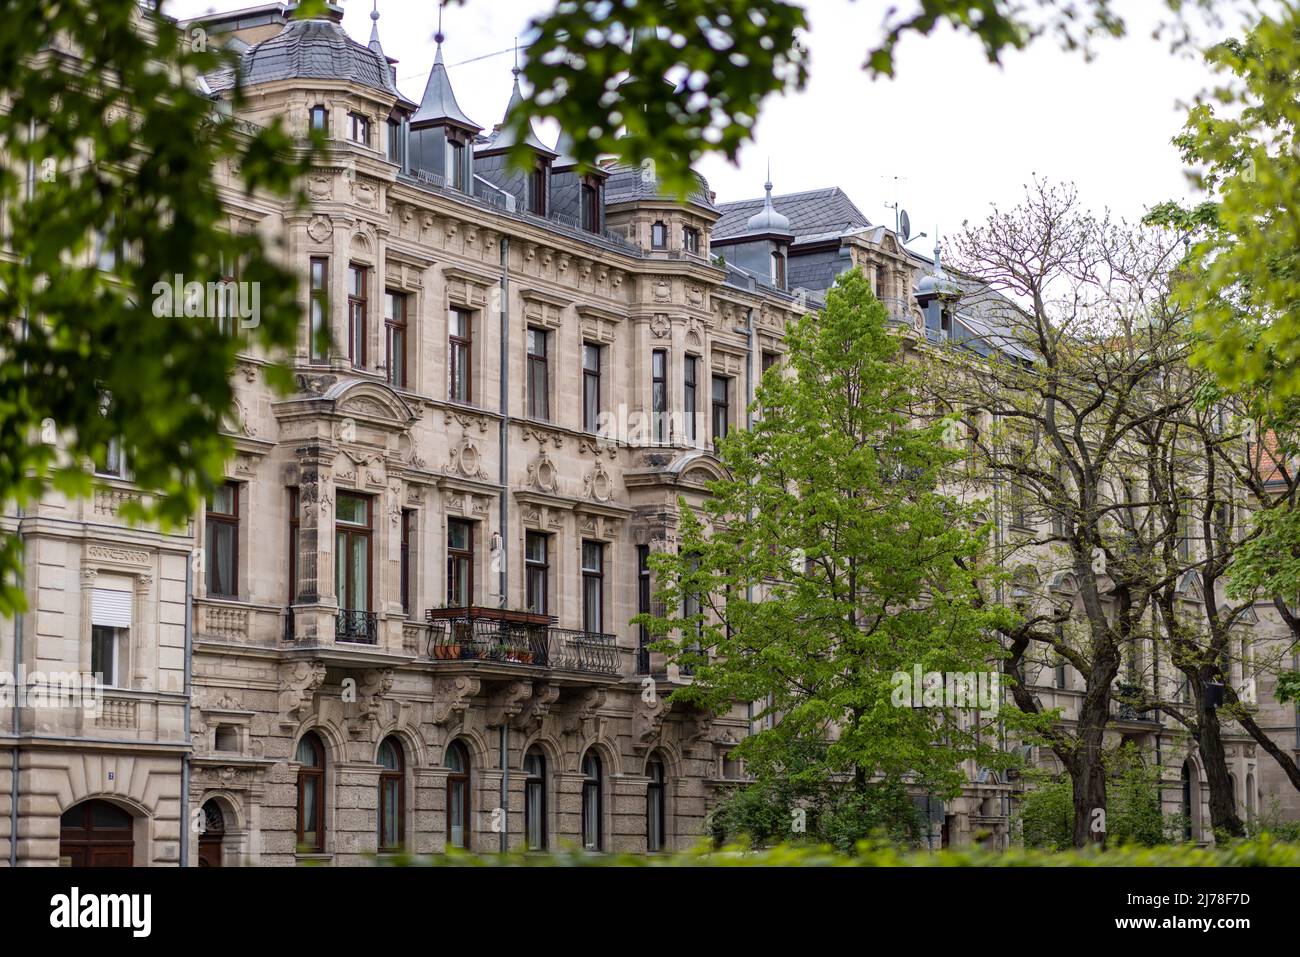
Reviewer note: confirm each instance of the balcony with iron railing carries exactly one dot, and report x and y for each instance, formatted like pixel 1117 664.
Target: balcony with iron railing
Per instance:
pixel 356 626
pixel 495 636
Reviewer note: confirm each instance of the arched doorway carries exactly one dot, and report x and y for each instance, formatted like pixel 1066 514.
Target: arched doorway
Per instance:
pixel 96 834
pixel 214 832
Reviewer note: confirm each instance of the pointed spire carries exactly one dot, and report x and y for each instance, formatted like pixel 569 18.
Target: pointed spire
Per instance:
pixel 503 137
pixel 374 43
pixel 438 104
pixel 938 262
pixel 768 220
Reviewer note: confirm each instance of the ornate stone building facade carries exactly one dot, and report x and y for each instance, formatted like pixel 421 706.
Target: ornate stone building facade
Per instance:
pixel 404 621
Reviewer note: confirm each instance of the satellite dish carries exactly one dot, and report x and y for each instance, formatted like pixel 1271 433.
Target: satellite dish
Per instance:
pixel 905 225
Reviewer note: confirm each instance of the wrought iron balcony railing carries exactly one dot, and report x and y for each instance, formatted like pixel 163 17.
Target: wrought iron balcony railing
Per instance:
pixel 361 627
pixel 493 634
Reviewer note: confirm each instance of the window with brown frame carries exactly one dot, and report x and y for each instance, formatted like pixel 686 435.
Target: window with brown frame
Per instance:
pixel 654 805
pixel 407 565
pixel 458 796
pixel 395 338
pixel 392 799
pixel 311 794
pixel 352 528
pixel 659 392
pixel 690 372
pixel 456 165
pixel 460 563
pixel 537 571
pixel 460 343
pixel 320 118
pixel 319 346
pixel 535 799
pixel 537 190
pixel 539 374
pixel 690 239
pixel 658 236
pixel 221 537
pixel 591 372
pixel 293 545
pixel 721 407
pixel 357 315
pixel 359 129
pixel 591 802
pixel 591 204
pixel 593 586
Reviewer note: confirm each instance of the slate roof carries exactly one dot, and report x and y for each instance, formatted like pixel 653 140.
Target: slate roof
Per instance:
pixel 309 49
pixel 815 213
pixel 626 184
pixel 438 102
pixel 503 137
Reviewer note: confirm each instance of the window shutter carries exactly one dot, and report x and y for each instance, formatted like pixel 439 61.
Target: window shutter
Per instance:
pixel 110 608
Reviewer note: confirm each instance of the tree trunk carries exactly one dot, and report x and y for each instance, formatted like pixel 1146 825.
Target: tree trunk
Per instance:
pixel 1089 772
pixel 1209 741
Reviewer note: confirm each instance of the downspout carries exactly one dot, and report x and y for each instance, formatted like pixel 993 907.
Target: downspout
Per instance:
pixel 748 330
pixel 18 617
pixel 504 512
pixel 188 688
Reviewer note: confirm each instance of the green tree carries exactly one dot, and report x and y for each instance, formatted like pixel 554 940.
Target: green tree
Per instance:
pixel 108 186
pixel 828 561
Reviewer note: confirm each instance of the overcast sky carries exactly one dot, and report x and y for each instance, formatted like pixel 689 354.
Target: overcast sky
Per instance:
pixel 960 132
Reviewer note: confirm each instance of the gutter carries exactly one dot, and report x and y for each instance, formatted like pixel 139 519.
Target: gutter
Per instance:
pixel 188 690
pixel 748 331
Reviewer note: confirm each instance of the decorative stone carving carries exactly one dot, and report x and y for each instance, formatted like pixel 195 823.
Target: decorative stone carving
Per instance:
pixel 660 327
pixel 537 706
pixel 507 702
pixel 375 683
pixel 598 485
pixel 320 187
pixel 697 727
pixel 452 696
pixel 648 720
pixel 584 706
pixel 542 473
pixel 299 681
pixel 466 459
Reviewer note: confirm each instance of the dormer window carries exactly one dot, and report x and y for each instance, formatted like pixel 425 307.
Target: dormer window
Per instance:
pixel 778 269
pixel 319 118
pixel 537 190
pixel 395 141
pixel 456 165
pixel 590 207
pixel 359 129
pixel 690 239
pixel 659 236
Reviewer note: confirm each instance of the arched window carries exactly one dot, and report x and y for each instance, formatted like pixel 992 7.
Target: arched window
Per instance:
pixel 591 837
pixel 457 795
pixel 535 799
pixel 214 830
pixel 654 805
pixel 311 793
pixel 392 803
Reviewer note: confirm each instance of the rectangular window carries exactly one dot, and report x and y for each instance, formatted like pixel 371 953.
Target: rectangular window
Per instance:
pixel 406 559
pixel 293 545
pixel 643 608
pixel 112 463
pixel 395 141
pixel 590 208
pixel 111 614
pixel 358 129
pixel 320 119
pixel 538 375
pixel 460 342
pixel 395 338
pixel 593 586
pixel 357 315
pixel 591 363
pixel 221 537
pixel 721 406
pixel 658 236
pixel 537 572
pixel 659 393
pixel 319 346
pixel 769 360
pixel 460 563
pixel 537 191
pixel 690 239
pixel 689 373
pixel 352 552
pixel 456 165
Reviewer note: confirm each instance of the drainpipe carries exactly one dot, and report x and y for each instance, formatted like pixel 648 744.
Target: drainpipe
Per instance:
pixel 504 511
pixel 188 687
pixel 748 331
